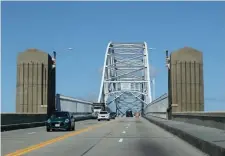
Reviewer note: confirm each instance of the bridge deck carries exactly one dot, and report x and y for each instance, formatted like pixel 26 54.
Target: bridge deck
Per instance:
pixel 122 137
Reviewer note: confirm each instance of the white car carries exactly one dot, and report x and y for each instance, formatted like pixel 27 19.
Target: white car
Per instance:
pixel 103 115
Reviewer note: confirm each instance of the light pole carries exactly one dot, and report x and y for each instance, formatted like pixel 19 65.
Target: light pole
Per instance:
pixel 54 58
pixel 153 86
pixel 54 76
pixel 153 78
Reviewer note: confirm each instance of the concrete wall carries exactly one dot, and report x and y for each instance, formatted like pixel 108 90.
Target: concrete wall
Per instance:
pixel 186 80
pixel 208 119
pixel 158 107
pixel 17 118
pixel 65 103
pixel 35 82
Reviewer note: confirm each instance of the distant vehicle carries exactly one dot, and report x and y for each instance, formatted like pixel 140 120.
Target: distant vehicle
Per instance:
pixel 137 114
pixel 103 115
pixel 96 111
pixel 113 115
pixel 97 107
pixel 129 113
pixel 60 120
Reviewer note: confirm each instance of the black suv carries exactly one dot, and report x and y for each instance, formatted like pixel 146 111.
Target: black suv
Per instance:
pixel 129 113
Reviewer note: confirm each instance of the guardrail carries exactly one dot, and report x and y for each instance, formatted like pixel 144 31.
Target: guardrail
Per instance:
pixel 158 107
pixel 15 118
pixel 66 103
pixel 81 110
pixel 208 119
pixel 13 121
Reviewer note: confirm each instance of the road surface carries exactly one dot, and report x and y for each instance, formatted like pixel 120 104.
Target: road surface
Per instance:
pixel 120 137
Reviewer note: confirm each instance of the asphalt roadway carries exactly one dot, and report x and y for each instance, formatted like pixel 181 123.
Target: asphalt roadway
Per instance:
pixel 120 137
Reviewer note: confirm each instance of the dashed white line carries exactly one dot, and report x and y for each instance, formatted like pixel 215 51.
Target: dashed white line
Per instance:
pixel 121 140
pixel 124 132
pixel 31 132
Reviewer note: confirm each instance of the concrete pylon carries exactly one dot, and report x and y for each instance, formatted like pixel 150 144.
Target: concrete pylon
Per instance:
pixel 35 82
pixel 186 80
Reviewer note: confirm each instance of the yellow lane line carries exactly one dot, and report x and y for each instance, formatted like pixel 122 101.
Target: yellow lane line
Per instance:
pixel 45 143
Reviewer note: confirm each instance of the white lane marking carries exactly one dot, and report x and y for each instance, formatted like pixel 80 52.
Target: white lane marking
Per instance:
pixel 124 132
pixel 126 127
pixel 121 140
pixel 31 132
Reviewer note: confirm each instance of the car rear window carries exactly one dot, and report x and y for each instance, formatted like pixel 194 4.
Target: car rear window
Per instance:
pixel 97 107
pixel 60 114
pixel 103 112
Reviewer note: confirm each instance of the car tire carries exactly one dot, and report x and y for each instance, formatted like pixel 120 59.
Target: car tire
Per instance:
pixel 47 129
pixel 108 119
pixel 98 119
pixel 69 128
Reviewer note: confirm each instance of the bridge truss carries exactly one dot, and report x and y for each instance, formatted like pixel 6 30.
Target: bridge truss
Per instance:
pixel 125 80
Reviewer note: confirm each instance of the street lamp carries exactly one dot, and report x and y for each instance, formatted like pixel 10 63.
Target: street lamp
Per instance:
pixel 54 70
pixel 153 78
pixel 54 52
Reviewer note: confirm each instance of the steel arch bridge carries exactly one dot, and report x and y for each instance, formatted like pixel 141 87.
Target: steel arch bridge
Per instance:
pixel 125 80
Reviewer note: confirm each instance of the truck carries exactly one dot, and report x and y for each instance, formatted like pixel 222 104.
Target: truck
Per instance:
pixel 97 107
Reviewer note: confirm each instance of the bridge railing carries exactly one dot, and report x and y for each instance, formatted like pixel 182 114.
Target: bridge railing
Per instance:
pixel 158 107
pixel 208 119
pixel 80 109
pixel 66 103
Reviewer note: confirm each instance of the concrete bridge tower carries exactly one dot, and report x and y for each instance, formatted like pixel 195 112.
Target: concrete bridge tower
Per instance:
pixel 35 87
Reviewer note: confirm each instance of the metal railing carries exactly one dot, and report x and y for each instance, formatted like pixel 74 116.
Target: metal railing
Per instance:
pixel 65 103
pixel 158 107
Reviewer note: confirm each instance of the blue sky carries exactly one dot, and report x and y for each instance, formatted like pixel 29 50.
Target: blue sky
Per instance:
pixel 89 26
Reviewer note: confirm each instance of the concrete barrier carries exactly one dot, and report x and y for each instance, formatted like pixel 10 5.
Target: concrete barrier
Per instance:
pixel 16 118
pixel 13 121
pixel 158 107
pixel 205 139
pixel 21 126
pixel 208 119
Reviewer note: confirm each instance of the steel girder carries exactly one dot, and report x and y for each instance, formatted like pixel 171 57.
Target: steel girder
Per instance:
pixel 125 80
